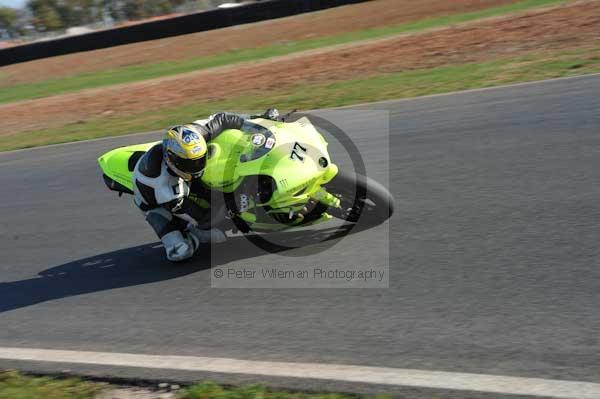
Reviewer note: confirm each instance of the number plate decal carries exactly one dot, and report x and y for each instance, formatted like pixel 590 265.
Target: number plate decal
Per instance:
pixel 296 151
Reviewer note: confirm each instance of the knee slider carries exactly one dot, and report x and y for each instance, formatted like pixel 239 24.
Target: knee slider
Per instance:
pixel 161 221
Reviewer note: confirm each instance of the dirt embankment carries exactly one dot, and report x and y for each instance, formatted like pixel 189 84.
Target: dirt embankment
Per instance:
pixel 559 28
pixel 324 23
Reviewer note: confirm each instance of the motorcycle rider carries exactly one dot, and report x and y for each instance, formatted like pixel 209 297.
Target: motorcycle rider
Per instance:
pixel 163 177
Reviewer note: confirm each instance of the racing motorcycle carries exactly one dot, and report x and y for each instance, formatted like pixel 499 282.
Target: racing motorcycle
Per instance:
pixel 270 179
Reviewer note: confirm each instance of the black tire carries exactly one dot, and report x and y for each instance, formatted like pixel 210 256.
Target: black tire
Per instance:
pixel 362 199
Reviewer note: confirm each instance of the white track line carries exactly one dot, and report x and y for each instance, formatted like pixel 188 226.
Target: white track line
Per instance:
pixel 336 372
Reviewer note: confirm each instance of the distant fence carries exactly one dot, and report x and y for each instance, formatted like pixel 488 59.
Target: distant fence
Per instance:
pixel 190 23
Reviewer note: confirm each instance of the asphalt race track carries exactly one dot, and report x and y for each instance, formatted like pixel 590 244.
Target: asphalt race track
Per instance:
pixel 494 251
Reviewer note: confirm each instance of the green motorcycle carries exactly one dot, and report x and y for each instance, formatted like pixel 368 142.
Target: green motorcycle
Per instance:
pixel 275 178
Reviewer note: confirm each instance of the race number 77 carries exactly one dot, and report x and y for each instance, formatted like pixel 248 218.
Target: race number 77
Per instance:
pixel 297 147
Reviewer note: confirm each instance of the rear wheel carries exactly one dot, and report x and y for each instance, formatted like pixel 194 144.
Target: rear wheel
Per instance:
pixel 362 199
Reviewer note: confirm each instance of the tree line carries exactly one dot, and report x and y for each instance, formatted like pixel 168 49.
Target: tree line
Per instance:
pixel 54 15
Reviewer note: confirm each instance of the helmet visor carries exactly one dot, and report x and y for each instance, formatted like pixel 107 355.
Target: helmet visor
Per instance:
pixel 192 167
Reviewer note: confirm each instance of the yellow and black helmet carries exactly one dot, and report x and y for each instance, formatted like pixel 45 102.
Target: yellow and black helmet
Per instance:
pixel 185 151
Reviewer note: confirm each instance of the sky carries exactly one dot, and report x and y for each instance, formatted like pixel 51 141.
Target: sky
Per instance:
pixel 12 3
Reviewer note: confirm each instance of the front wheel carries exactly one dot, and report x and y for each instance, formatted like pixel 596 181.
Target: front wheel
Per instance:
pixel 362 199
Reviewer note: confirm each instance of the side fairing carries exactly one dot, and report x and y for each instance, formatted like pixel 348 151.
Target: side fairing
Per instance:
pixel 293 154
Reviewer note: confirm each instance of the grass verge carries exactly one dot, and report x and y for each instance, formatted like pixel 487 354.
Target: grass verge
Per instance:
pixel 543 65
pixel 14 385
pixel 155 70
pixel 210 390
pixel 17 386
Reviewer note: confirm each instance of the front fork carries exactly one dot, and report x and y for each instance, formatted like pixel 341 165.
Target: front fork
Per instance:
pixel 321 195
pixel 326 198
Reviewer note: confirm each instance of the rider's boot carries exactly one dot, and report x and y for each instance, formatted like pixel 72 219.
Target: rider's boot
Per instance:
pixel 179 246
